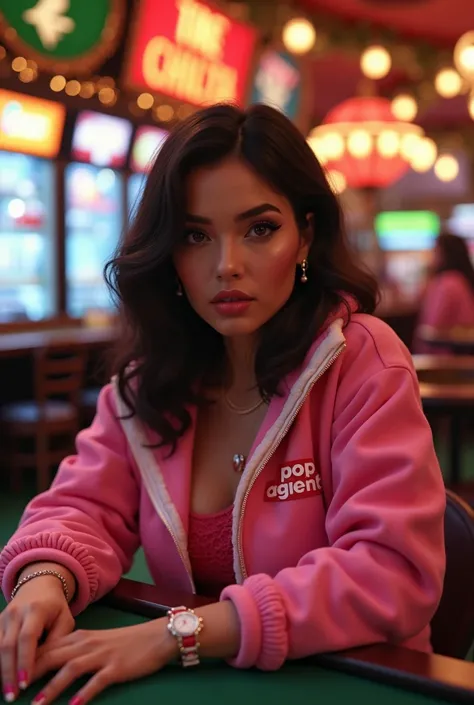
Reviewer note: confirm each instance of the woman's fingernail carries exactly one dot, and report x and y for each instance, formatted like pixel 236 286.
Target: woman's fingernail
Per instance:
pixel 39 699
pixel 22 679
pixel 76 700
pixel 9 694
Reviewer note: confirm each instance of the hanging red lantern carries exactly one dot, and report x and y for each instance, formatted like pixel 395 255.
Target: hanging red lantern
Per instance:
pixel 362 139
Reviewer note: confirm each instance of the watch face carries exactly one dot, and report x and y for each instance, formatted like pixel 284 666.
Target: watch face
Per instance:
pixel 186 623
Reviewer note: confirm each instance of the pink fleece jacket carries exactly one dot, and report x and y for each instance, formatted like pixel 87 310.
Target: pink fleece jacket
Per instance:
pixel 337 522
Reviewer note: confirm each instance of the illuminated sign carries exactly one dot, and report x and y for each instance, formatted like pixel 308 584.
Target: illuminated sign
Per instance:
pixel 63 36
pixel 101 139
pixel 147 144
pixel 190 51
pixel 407 230
pixel 30 125
pixel 278 83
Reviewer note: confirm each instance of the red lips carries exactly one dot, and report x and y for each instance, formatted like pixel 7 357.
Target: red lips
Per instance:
pixel 231 296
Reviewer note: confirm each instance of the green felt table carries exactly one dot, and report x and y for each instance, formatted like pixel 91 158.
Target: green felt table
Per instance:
pixel 376 674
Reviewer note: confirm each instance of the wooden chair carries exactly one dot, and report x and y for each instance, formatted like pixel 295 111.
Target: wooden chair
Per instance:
pixel 54 413
pixel 452 628
pixel 88 401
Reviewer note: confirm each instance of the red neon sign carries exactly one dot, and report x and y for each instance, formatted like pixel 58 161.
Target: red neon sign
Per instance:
pixel 190 51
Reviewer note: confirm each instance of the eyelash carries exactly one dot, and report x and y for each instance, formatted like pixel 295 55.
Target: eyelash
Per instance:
pixel 268 224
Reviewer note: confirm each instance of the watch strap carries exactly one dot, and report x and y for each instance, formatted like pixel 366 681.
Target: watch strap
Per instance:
pixel 188 645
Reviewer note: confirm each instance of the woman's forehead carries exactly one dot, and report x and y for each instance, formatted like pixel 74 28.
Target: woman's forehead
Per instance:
pixel 230 185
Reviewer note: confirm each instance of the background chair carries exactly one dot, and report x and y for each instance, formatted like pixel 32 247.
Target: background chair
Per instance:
pixel 89 399
pixel 53 415
pixel 452 627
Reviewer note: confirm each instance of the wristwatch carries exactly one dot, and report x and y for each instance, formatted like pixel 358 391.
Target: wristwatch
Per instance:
pixel 185 625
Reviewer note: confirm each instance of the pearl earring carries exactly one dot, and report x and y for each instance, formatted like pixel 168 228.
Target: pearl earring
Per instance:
pixel 304 267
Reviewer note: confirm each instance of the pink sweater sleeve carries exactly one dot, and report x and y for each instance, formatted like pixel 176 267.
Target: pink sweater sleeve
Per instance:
pixel 87 520
pixel 381 577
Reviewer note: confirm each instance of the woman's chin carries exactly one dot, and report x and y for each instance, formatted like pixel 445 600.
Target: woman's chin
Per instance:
pixel 233 327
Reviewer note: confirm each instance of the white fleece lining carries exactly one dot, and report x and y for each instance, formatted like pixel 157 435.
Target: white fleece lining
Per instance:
pixel 151 473
pixel 152 477
pixel 321 356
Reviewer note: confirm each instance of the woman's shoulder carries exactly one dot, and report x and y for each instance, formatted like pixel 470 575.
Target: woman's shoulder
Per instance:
pixel 450 280
pixel 372 345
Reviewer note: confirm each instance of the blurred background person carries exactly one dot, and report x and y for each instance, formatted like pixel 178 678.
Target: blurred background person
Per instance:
pixel 448 301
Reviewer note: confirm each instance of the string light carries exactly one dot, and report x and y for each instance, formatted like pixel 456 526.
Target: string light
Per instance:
pixel 446 168
pixel 19 63
pixel 145 101
pixel 27 75
pixel 388 143
pixel 333 145
pixel 299 35
pixel 424 155
pixel 448 83
pixel 73 88
pixel 3 53
pixel 375 62
pixel 87 89
pixel 107 96
pixel 164 113
pixel 57 83
pixel 359 143
pixel 404 107
pixel 464 55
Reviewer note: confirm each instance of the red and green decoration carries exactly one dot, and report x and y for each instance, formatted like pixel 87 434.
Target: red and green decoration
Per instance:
pixel 62 36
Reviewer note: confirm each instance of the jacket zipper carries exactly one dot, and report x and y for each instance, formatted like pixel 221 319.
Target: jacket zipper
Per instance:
pixel 184 555
pixel 272 450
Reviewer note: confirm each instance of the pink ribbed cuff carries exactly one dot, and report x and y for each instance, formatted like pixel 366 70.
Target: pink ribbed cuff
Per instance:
pixel 250 626
pixel 56 548
pixel 263 623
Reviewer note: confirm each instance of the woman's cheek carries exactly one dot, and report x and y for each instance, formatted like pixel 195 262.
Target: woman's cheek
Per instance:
pixel 278 267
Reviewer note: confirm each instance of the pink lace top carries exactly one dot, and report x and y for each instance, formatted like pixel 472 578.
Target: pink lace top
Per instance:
pixel 210 551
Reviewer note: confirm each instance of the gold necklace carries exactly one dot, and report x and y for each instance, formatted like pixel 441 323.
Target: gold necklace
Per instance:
pixel 238 409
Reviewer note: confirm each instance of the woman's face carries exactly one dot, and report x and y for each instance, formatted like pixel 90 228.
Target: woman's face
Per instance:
pixel 241 248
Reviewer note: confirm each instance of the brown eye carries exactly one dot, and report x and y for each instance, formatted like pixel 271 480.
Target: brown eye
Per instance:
pixel 195 237
pixel 263 229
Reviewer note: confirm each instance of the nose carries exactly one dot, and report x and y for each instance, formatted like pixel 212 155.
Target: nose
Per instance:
pixel 230 260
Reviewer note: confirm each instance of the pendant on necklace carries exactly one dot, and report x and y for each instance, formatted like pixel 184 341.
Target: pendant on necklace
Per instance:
pixel 238 462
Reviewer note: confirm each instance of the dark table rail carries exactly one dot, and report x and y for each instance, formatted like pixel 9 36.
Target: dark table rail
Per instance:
pixel 459 341
pixel 21 344
pixel 430 674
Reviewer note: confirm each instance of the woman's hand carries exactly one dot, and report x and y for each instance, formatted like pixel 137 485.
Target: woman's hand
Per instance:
pixel 39 606
pixel 111 655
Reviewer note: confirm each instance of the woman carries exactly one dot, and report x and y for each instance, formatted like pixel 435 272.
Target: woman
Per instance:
pixel 263 439
pixel 449 298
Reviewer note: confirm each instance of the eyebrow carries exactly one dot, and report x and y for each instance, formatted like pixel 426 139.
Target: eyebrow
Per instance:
pixel 251 213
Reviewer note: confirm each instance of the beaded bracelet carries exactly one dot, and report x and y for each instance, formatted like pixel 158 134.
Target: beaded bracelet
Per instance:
pixel 38 574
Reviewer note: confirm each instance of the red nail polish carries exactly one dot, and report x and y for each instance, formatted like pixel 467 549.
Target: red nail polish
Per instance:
pixel 38 699
pixel 76 700
pixel 9 693
pixel 22 679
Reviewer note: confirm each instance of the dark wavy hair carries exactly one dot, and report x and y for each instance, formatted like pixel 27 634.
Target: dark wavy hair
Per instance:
pixel 166 353
pixel 454 256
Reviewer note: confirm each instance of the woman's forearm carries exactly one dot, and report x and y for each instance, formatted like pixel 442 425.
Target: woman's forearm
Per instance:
pixel 57 567
pixel 219 638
